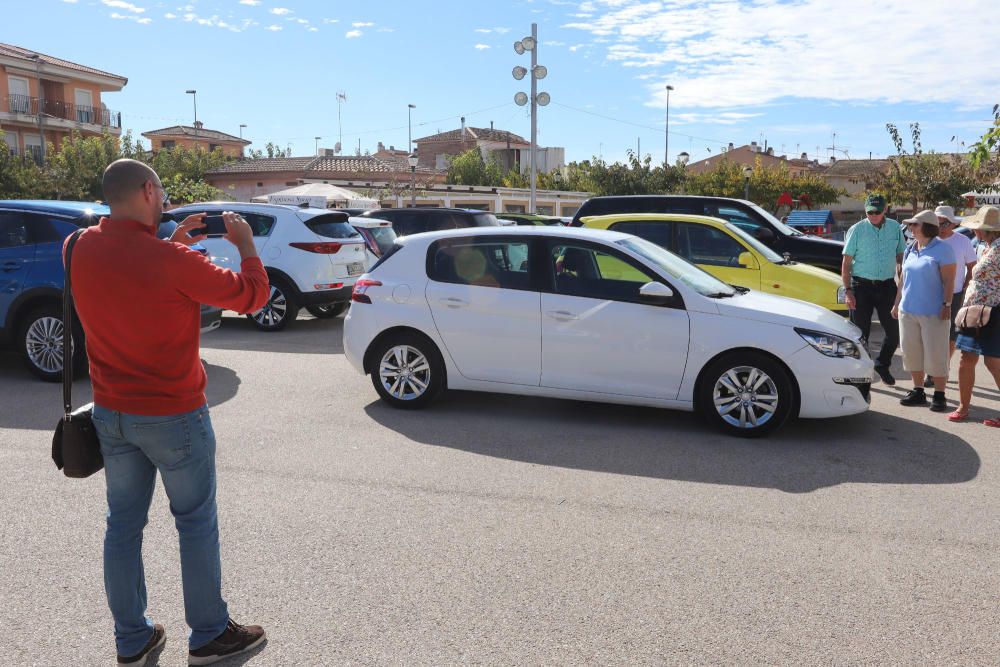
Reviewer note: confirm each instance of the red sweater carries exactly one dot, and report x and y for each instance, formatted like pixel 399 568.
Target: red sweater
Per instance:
pixel 138 299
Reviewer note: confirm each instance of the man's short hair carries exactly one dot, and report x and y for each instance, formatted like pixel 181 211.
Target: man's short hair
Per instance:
pixel 124 177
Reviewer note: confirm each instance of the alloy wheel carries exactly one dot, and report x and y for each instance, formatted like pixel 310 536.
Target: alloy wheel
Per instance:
pixel 404 372
pixel 274 311
pixel 745 397
pixel 43 344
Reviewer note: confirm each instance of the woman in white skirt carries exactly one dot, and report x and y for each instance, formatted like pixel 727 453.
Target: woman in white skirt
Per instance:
pixel 923 308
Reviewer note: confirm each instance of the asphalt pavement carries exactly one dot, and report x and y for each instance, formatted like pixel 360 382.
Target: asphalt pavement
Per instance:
pixel 510 530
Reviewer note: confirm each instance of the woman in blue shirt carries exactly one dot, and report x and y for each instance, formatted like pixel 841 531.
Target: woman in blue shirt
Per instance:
pixel 923 308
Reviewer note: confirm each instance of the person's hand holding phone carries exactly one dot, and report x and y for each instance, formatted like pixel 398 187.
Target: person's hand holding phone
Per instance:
pixel 239 233
pixel 183 232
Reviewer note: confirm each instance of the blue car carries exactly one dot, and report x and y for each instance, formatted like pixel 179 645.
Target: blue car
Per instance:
pixel 32 277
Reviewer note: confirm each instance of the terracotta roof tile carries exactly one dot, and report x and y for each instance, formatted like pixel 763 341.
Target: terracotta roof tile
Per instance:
pixel 188 131
pixel 474 133
pixel 253 166
pixel 26 54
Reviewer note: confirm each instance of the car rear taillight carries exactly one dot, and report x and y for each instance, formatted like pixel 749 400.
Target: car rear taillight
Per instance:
pixel 320 247
pixel 370 241
pixel 360 289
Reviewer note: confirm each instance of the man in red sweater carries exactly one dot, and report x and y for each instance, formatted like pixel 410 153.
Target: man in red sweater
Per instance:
pixel 138 299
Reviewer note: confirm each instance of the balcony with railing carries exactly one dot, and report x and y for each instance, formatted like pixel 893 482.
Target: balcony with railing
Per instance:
pixel 32 106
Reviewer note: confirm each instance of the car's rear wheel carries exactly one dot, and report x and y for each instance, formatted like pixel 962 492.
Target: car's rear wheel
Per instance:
pixel 40 340
pixel 281 308
pixel 748 394
pixel 327 311
pixel 408 371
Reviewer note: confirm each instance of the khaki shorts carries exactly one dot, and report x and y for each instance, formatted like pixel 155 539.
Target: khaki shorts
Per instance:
pixel 925 344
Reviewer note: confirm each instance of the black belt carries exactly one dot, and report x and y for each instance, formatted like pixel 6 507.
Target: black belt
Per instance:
pixel 866 281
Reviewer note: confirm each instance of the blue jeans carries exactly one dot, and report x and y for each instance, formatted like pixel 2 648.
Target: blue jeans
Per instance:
pixel 182 448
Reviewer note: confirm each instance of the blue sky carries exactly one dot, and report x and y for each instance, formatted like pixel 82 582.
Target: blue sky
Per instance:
pixel 793 73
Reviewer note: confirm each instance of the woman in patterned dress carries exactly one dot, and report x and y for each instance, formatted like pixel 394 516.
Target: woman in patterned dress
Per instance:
pixel 984 290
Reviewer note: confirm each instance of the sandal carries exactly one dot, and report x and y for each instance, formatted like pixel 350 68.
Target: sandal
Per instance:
pixel 995 423
pixel 957 416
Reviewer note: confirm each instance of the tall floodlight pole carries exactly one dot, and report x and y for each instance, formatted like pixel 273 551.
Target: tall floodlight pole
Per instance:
pixel 666 132
pixel 341 97
pixel 537 99
pixel 409 128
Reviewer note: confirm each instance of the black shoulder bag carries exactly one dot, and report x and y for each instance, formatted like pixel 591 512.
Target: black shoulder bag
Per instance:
pixel 76 449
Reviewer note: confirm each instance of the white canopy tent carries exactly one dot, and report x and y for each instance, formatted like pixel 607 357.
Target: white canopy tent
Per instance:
pixel 318 195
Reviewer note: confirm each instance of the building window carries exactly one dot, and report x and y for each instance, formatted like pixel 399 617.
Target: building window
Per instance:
pixel 513 208
pixel 168 143
pixel 212 147
pixel 260 185
pixel 10 138
pixel 20 99
pixel 33 147
pixel 545 210
pixel 84 106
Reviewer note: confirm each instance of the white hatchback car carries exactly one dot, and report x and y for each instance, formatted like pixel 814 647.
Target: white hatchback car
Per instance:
pixel 312 257
pixel 599 316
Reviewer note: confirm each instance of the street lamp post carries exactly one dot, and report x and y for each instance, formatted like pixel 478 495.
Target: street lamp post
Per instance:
pixel 666 132
pixel 747 173
pixel 194 97
pixel 41 102
pixel 412 159
pixel 317 145
pixel 538 72
pixel 409 127
pixel 242 125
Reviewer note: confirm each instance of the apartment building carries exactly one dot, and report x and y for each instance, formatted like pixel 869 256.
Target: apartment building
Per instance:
pixel 43 99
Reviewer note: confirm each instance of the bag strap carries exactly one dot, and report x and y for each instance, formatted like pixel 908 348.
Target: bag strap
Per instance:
pixel 67 317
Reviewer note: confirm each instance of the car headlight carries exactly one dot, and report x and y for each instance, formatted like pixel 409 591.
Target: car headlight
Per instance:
pixel 830 345
pixel 841 294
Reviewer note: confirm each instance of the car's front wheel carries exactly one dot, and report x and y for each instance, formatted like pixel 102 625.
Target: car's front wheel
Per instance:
pixel 40 341
pixel 327 311
pixel 748 394
pixel 280 309
pixel 408 371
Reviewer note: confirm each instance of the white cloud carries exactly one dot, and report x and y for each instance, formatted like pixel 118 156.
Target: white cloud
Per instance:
pixel 312 29
pixel 131 17
pixel 485 31
pixel 251 3
pixel 733 53
pixel 352 34
pixel 723 118
pixel 280 11
pixel 168 15
pixel 121 4
pixel 274 28
pixel 362 24
pixel 386 30
pixel 482 47
pixel 331 20
pixel 70 2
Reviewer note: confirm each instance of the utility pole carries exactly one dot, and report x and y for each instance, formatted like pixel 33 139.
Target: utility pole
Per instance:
pixel 666 132
pixel 41 102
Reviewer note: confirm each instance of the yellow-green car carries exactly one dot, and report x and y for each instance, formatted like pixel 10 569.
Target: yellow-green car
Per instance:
pixel 730 254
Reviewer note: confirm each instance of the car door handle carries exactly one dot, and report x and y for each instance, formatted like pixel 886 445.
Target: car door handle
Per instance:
pixel 453 302
pixel 11 266
pixel 561 315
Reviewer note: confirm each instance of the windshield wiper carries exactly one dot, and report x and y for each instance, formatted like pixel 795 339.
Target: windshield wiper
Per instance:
pixel 740 289
pixel 721 295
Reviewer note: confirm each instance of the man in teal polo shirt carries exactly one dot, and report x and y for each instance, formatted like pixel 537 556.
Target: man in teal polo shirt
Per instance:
pixel 873 252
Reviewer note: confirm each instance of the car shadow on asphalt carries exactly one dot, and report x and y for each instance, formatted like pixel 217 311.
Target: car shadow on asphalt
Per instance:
pixel 806 455
pixel 29 403
pixel 306 335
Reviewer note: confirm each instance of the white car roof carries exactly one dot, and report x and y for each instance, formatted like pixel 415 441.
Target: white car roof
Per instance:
pixel 549 232
pixel 305 213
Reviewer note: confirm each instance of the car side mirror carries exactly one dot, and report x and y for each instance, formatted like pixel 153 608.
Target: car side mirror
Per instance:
pixel 747 260
pixel 656 293
pixel 763 234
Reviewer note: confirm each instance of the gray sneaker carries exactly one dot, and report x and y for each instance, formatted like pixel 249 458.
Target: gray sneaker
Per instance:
pixel 234 639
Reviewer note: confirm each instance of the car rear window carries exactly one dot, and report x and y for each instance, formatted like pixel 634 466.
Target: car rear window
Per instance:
pixel 485 220
pixel 332 227
pixel 384 238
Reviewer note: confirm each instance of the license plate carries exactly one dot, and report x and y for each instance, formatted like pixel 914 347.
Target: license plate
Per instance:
pixel 355 268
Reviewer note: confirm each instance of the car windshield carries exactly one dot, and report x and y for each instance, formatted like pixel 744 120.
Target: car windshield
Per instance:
pixel 332 227
pixel 769 254
pixel 678 267
pixel 778 224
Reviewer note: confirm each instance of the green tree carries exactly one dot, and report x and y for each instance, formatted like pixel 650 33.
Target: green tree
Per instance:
pixel 767 184
pixel 923 180
pixel 183 190
pixel 19 176
pixel 271 150
pixel 190 164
